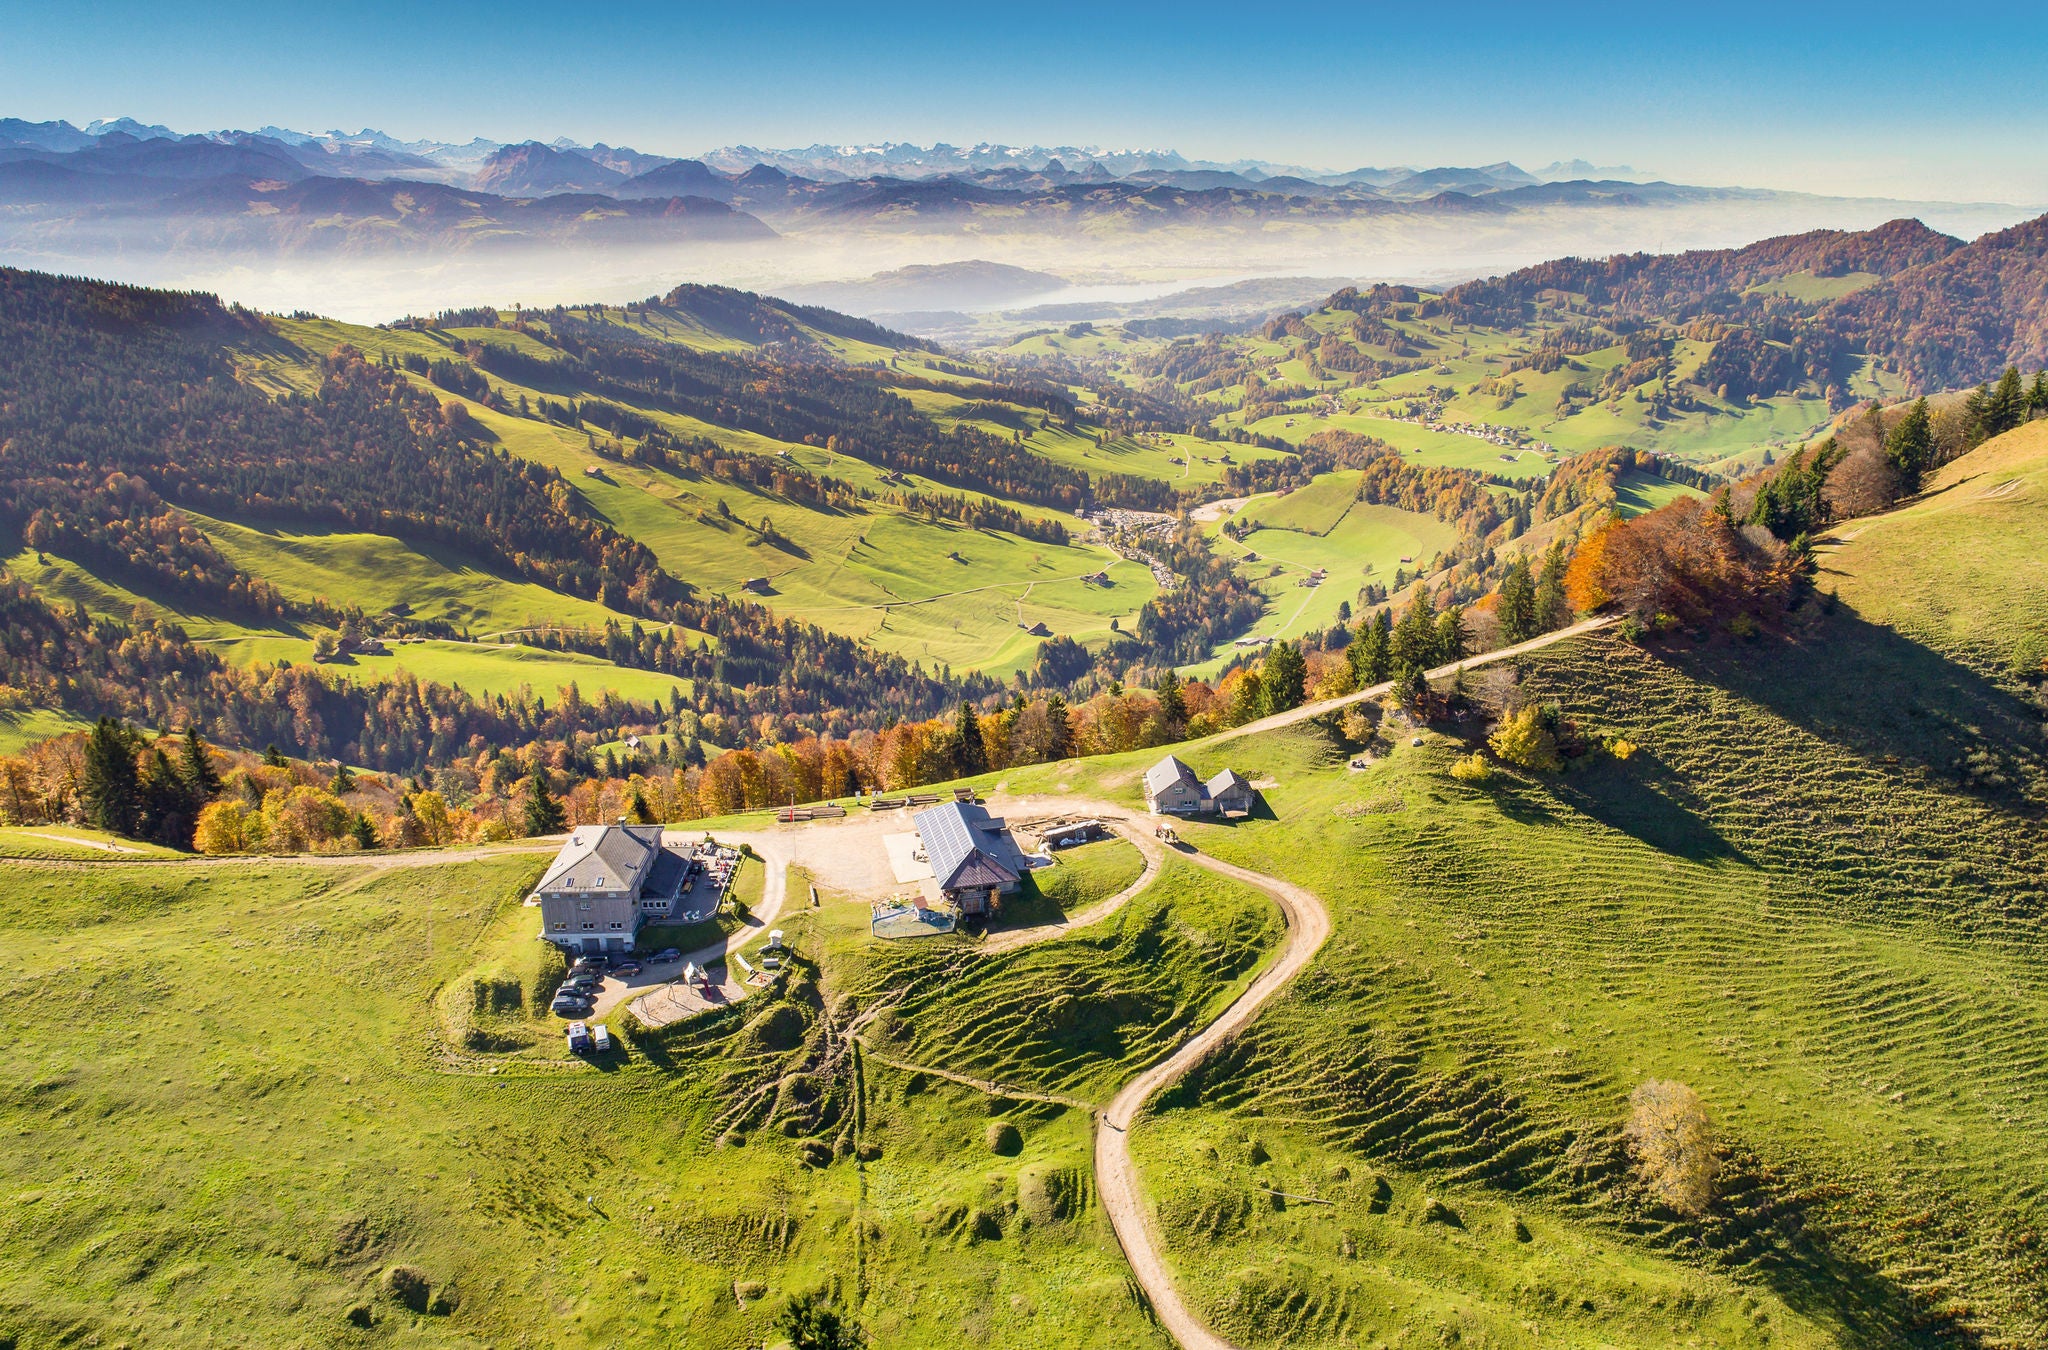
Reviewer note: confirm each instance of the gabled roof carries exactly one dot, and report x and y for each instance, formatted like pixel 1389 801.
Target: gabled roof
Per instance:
pixel 965 847
pixel 665 878
pixel 601 858
pixel 1166 773
pixel 1225 781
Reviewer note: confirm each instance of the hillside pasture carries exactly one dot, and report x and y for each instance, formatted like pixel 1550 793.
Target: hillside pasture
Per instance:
pixel 931 590
pixel 404 1102
pixel 1323 527
pixel 1963 565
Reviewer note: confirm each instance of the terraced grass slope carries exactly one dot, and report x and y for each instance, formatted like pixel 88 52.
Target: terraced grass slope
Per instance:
pixel 1078 1016
pixel 1815 896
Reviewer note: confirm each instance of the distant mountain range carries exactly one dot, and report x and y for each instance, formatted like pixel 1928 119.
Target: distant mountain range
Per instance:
pixel 538 167
pixel 142 187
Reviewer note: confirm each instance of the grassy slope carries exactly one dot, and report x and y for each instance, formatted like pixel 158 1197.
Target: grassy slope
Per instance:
pixel 1965 565
pixel 1815 897
pixel 25 726
pixel 1324 526
pixel 1459 357
pixel 877 573
pixel 234 1107
pixel 1767 902
pixel 480 667
pixel 1637 492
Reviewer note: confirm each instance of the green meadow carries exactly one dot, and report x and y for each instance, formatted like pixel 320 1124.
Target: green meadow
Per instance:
pixel 294 563
pixel 1322 527
pixel 931 590
pixel 1425 445
pixel 21 727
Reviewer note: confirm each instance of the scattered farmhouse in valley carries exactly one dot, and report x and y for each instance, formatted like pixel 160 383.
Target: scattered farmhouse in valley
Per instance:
pixel 974 860
pixel 605 882
pixel 1172 789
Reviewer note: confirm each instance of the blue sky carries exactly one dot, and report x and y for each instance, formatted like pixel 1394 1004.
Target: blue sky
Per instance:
pixel 1943 102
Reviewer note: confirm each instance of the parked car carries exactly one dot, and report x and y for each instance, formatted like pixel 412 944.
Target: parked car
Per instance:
pixel 567 1006
pixel 579 1039
pixel 667 954
pixel 585 980
pixel 601 1036
pixel 626 968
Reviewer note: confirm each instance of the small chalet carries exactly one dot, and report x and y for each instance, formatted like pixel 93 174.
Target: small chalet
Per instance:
pixel 1230 794
pixel 973 859
pixel 1171 788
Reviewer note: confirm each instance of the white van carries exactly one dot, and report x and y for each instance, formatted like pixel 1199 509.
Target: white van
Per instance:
pixel 601 1036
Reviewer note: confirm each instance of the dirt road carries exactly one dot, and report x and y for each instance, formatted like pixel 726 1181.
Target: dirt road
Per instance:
pixel 1308 710
pixel 1116 1177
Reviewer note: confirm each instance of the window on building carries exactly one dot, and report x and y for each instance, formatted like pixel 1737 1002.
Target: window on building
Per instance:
pixel 617 924
pixel 583 904
pixel 588 924
pixel 558 926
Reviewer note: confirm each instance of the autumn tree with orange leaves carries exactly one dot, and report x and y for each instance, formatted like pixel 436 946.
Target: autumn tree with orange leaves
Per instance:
pixel 1685 560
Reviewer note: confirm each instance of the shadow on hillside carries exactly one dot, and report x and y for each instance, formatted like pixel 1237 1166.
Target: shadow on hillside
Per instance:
pixel 1889 699
pixel 1647 800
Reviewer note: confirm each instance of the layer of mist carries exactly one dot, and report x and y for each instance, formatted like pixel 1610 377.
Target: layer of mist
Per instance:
pixel 858 264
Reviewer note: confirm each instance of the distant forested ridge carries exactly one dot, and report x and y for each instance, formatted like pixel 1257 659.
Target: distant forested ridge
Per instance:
pixel 119 404
pixel 816 402
pixel 1939 312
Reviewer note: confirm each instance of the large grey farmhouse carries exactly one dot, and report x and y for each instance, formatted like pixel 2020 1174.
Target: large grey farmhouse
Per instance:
pixel 605 882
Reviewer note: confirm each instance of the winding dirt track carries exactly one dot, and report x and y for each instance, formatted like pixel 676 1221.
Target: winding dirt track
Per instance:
pixel 1116 1176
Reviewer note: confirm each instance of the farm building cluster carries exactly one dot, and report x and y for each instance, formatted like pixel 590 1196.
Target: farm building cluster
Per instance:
pixel 608 880
pixel 1172 789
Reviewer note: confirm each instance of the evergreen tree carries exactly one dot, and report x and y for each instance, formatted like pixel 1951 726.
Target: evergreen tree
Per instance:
pixel 1910 446
pixel 1450 635
pixel 544 815
pixel 1414 691
pixel 1173 706
pixel 971 754
pixel 344 780
pixel 2006 405
pixel 1248 700
pixel 1367 653
pixel 1059 734
pixel 363 831
pixel 1285 675
pixel 1517 611
pixel 196 766
pixel 811 1323
pixel 111 789
pixel 165 802
pixel 1413 645
pixel 274 757
pixel 637 809
pixel 2037 397
pixel 1553 610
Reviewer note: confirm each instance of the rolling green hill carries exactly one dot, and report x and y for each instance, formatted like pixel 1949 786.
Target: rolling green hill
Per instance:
pixel 1963 566
pixel 1812 893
